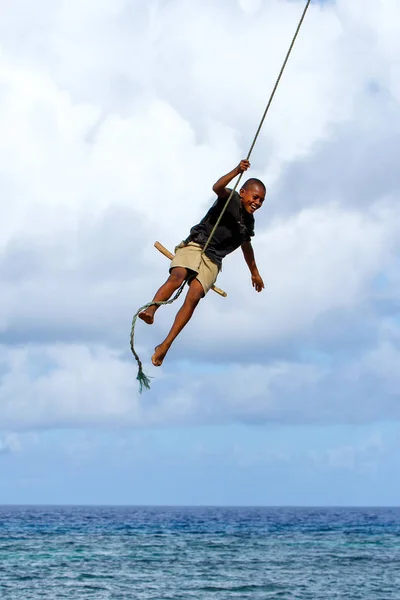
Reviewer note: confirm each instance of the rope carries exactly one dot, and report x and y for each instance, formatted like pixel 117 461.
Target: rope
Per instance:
pixel 144 380
pixel 260 125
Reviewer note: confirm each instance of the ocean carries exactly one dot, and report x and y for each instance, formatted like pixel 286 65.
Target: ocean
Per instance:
pixel 148 553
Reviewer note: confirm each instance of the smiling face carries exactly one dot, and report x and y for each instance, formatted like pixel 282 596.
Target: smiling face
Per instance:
pixel 252 195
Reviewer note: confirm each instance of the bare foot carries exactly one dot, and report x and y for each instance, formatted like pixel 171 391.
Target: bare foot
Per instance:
pixel 147 316
pixel 159 355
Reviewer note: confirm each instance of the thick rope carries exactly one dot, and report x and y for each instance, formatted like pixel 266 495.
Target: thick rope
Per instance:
pixel 260 125
pixel 144 380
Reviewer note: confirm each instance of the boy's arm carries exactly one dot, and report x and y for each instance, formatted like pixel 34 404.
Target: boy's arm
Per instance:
pixel 219 186
pixel 248 254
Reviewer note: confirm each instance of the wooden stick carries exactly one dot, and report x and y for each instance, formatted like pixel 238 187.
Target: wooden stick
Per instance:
pixel 168 254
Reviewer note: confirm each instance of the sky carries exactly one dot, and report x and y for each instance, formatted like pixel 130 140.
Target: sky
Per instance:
pixel 116 118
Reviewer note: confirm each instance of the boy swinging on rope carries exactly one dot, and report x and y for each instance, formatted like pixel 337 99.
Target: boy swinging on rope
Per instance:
pixel 201 271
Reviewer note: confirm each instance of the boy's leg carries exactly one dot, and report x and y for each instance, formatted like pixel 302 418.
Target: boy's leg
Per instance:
pixel 193 297
pixel 174 281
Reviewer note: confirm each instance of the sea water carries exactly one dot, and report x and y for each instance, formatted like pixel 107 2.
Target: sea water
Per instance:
pixel 159 553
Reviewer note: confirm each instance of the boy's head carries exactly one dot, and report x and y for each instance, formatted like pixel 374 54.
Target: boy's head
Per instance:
pixel 252 194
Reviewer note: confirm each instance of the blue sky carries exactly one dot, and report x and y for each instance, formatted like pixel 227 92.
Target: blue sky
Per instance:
pixel 116 118
pixel 268 465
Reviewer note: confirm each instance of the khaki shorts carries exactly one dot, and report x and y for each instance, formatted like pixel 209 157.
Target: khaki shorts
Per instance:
pixel 203 269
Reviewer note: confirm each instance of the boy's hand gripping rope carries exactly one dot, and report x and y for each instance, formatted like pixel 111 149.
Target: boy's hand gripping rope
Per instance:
pixel 144 380
pixel 260 125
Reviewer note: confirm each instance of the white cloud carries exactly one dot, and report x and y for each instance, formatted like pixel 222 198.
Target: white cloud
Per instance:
pixel 78 386
pixel 115 121
pixel 364 456
pixel 9 443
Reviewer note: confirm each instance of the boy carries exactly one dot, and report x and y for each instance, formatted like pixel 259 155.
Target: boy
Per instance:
pixel 235 229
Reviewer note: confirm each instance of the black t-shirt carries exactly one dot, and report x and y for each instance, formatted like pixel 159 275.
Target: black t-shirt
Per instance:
pixel 235 227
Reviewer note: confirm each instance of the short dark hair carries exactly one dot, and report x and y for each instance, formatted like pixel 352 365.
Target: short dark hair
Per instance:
pixel 253 181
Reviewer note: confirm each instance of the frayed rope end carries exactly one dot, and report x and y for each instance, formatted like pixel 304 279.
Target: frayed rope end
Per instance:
pixel 144 380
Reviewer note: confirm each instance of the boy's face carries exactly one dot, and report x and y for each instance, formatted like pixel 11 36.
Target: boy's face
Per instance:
pixel 252 197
